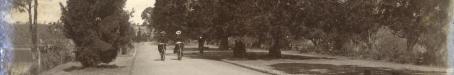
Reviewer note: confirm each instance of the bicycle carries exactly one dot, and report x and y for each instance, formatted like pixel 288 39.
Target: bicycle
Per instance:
pixel 179 50
pixel 162 50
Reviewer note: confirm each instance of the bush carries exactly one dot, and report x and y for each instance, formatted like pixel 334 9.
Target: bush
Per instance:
pixel 53 53
pixel 61 51
pixel 382 45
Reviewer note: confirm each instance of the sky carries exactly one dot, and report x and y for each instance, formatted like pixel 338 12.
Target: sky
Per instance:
pixel 49 11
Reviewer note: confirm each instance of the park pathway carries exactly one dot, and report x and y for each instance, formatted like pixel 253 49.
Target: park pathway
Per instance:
pixel 147 62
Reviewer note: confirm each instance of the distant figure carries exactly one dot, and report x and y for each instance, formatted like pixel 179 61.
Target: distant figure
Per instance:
pixel 288 43
pixel 201 44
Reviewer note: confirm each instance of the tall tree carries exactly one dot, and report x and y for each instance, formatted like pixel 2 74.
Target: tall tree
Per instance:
pixel 330 24
pixel 31 7
pixel 98 28
pixel 420 22
pixel 170 16
pixel 146 16
pixel 411 18
pixel 34 31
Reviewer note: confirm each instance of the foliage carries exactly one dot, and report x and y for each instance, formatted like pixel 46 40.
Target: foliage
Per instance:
pixel 98 28
pixel 146 16
pixel 169 16
pixel 21 5
pixel 331 25
pixel 56 52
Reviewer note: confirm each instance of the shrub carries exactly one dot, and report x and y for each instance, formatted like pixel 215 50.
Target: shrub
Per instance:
pixel 56 52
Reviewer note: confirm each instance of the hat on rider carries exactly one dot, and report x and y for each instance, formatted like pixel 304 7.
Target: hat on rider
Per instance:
pixel 163 32
pixel 162 37
pixel 178 32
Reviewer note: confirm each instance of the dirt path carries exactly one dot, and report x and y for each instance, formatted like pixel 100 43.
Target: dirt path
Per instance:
pixel 147 63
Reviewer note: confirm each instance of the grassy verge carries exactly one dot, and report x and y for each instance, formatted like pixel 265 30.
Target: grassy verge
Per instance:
pixel 55 49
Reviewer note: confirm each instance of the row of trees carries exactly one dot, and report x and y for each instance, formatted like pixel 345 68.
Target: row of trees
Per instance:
pixel 321 21
pixel 328 23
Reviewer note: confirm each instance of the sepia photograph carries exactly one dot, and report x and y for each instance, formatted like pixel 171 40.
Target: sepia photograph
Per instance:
pixel 226 37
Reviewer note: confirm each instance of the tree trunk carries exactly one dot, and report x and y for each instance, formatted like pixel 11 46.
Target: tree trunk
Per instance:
pixel 35 33
pixel 30 17
pixel 338 43
pixel 35 25
pixel 30 22
pixel 411 42
pixel 258 44
pixel 201 42
pixel 275 50
pixel 317 45
pixel 224 43
pixel 239 49
pixel 315 42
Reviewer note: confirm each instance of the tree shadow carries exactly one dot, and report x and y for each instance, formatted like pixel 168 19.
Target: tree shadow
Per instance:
pixel 108 66
pixel 177 59
pixel 101 66
pixel 72 68
pixel 328 69
pixel 197 49
pixel 158 59
pixel 228 54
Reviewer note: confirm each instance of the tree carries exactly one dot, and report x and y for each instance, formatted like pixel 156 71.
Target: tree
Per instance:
pixel 98 28
pixel 411 18
pixel 330 24
pixel 420 22
pixel 170 16
pixel 26 5
pixel 146 16
pixel 34 31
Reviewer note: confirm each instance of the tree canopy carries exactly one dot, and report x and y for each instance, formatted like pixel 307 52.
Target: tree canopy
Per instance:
pixel 328 23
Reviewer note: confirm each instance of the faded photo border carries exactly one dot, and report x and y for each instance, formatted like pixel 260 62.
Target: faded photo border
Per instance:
pixel 450 40
pixel 6 45
pixel 6 30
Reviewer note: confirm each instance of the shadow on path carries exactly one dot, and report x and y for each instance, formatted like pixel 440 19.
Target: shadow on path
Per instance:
pixel 72 68
pixel 327 69
pixel 219 55
pixel 305 68
pixel 109 66
pixel 102 66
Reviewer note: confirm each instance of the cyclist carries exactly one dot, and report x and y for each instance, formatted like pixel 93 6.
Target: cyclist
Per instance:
pixel 201 44
pixel 162 44
pixel 179 45
pixel 177 40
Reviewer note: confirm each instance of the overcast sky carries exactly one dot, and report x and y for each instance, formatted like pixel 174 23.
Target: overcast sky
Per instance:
pixel 49 11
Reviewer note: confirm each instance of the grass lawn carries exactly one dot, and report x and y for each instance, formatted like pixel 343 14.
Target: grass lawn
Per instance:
pixel 22 35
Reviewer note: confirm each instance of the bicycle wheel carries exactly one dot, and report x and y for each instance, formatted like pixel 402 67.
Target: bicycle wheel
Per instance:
pixel 161 52
pixel 163 57
pixel 180 53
